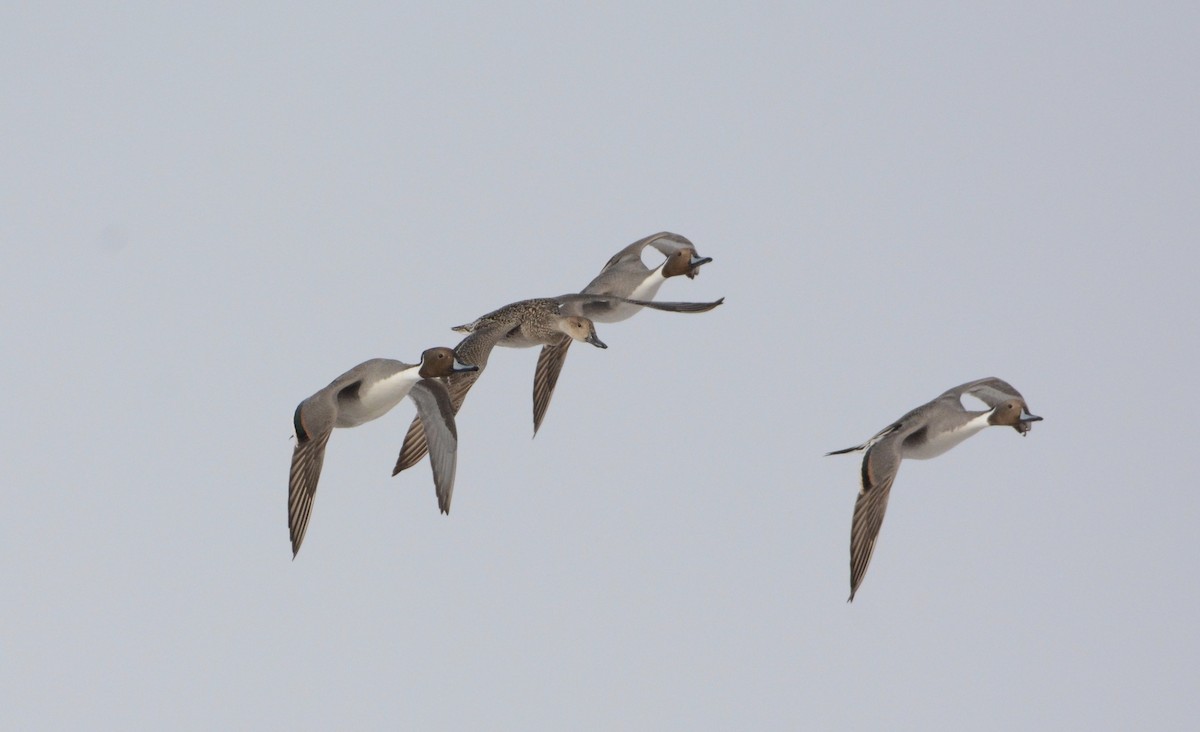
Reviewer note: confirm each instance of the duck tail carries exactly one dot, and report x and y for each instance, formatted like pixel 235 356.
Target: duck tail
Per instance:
pixel 856 448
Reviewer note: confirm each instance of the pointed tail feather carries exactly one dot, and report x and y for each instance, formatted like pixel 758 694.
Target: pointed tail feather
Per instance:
pixel 856 448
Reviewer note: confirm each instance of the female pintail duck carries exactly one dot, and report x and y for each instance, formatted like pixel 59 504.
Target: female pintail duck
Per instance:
pixel 625 276
pixel 521 324
pixel 925 432
pixel 367 392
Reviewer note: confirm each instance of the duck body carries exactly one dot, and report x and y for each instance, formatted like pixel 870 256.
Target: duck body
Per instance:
pixel 365 393
pixel 926 432
pixel 533 322
pixel 621 290
pixel 626 275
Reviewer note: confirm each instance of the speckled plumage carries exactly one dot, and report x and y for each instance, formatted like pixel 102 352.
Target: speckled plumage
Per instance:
pixel 625 275
pixel 522 324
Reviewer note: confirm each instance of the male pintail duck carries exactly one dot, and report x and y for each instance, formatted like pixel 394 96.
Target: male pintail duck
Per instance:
pixel 367 392
pixel 925 432
pixel 521 324
pixel 625 276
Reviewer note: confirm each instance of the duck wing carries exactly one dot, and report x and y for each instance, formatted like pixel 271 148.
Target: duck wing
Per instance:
pixel 474 350
pixel 314 420
pixel 545 377
pixel 436 414
pixel 879 468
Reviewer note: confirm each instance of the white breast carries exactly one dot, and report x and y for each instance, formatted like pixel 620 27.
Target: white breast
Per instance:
pixel 377 399
pixel 646 290
pixel 940 442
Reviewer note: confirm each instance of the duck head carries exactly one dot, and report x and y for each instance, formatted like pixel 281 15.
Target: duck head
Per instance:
pixel 442 361
pixel 581 329
pixel 684 261
pixel 1013 413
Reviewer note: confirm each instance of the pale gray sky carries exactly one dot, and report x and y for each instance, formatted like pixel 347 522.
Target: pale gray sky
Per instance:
pixel 208 213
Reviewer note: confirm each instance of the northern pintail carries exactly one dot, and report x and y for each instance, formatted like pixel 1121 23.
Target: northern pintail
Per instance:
pixel 522 324
pixel 625 276
pixel 525 323
pixel 925 432
pixel 367 392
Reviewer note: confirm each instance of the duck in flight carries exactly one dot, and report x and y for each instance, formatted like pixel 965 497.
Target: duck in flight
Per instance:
pixel 367 392
pixel 925 432
pixel 624 276
pixel 522 324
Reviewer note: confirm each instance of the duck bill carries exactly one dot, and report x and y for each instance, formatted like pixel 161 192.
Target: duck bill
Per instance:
pixel 1025 422
pixel 695 264
pixel 596 341
pixel 459 367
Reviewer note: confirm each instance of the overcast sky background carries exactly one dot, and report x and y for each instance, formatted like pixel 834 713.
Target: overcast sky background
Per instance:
pixel 208 213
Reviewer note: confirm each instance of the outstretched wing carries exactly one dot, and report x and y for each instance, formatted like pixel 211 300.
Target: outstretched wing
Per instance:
pixel 307 459
pixel 630 258
pixel 668 243
pixel 416 443
pixel 436 414
pixel 474 350
pixel 584 301
pixel 545 377
pixel 991 391
pixel 879 468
